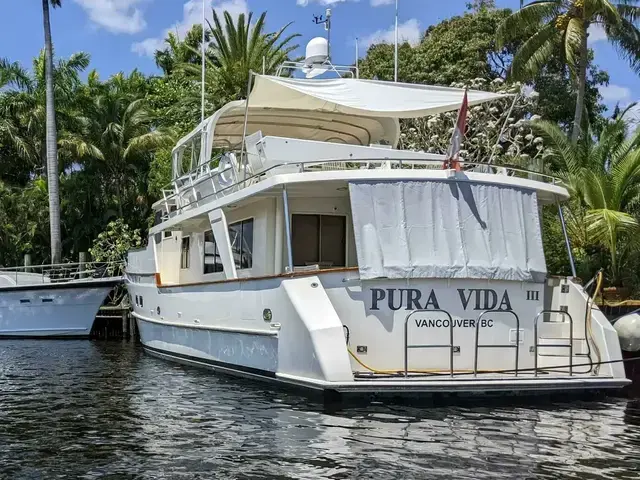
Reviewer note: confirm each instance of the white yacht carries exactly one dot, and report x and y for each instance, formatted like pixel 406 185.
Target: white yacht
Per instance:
pixel 298 245
pixel 54 300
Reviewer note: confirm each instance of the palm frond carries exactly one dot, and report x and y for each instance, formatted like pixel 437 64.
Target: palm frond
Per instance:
pixel 532 15
pixel 148 142
pixel 625 38
pixel 573 37
pixel 560 145
pixel 535 52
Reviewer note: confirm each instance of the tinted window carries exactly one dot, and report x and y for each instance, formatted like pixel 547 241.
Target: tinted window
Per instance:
pixel 212 261
pixel 319 240
pixel 184 253
pixel 241 239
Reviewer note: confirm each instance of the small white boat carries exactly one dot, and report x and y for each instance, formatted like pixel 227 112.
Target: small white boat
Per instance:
pixel 326 259
pixel 54 300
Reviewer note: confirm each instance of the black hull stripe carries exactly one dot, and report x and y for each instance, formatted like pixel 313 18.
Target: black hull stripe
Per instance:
pixel 214 363
pixel 61 286
pixel 44 337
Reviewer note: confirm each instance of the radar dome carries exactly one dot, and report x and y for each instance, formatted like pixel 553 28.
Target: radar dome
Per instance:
pixel 317 51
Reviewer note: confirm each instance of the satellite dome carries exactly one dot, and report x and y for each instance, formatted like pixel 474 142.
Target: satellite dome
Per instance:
pixel 317 51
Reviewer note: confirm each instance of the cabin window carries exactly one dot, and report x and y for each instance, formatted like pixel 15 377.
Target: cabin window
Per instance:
pixel 241 239
pixel 212 261
pixel 184 252
pixel 157 218
pixel 319 240
pixel 168 233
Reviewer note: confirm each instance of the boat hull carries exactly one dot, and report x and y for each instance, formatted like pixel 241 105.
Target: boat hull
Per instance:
pixel 52 310
pixel 231 354
pixel 297 345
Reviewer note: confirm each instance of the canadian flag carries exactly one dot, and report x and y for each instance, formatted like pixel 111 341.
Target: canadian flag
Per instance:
pixel 453 154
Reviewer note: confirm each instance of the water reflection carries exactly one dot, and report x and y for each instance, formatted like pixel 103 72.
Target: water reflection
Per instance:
pixel 88 410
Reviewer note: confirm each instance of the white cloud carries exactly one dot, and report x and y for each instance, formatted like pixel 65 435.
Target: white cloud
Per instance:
pixel 379 3
pixel 304 3
pixel 408 31
pixel 596 33
pixel 117 16
pixel 615 94
pixel 192 14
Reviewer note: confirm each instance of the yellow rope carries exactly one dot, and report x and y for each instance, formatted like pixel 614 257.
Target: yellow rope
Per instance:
pixel 395 372
pixel 589 326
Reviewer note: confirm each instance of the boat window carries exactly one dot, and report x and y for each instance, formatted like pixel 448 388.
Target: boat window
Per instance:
pixel 168 233
pixel 241 239
pixel 184 253
pixel 319 240
pixel 157 218
pixel 212 261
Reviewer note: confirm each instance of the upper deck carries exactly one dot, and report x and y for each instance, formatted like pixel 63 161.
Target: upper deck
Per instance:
pixel 316 136
pixel 318 169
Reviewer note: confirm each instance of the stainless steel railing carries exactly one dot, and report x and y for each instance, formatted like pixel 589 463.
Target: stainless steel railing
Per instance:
pixel 536 344
pixel 408 346
pixel 478 346
pixel 174 192
pixel 61 272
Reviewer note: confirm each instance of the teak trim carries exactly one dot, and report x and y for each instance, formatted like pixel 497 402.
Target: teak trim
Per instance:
pixel 264 277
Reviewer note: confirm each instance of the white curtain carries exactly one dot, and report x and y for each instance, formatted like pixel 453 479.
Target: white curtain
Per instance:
pixel 447 229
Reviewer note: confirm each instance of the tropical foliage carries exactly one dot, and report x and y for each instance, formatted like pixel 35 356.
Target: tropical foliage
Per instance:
pixel 114 136
pixel 559 28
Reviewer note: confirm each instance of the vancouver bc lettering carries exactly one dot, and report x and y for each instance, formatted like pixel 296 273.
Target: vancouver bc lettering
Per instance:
pixel 457 322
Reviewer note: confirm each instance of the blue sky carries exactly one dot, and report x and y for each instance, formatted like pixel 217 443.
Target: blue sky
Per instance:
pixel 121 35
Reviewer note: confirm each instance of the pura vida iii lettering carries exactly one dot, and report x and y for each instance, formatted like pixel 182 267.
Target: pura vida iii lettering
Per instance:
pixel 477 299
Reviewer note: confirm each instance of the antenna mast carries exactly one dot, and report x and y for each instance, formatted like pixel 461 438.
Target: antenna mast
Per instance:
pixel 326 20
pixel 204 50
pixel 395 62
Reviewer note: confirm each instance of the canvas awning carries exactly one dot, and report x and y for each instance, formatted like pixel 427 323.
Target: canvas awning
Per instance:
pixel 367 98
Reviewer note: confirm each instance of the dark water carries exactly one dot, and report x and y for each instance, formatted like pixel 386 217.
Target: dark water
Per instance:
pixel 80 409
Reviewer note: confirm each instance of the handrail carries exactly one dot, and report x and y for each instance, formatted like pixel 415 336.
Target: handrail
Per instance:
pixel 47 265
pixel 62 272
pixel 496 345
pixel 401 162
pixel 536 344
pixel 450 346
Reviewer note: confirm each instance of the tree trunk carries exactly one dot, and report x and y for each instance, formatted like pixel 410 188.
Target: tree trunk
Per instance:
pixel 52 143
pixel 582 85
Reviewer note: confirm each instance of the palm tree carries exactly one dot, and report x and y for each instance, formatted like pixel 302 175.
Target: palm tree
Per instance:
pixel 51 139
pixel 121 134
pixel 179 51
pixel 603 176
pixel 23 111
pixel 236 49
pixel 562 26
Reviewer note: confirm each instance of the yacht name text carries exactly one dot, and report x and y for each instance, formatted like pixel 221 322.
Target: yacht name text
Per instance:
pixel 476 299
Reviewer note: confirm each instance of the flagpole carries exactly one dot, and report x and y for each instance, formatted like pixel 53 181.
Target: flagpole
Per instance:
pixel 395 69
pixel 357 59
pixel 204 50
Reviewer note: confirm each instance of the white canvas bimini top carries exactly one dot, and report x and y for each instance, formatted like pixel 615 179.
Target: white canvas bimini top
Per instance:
pixel 368 98
pixel 342 110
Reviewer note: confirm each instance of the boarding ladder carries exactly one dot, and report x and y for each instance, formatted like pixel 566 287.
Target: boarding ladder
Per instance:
pixel 478 346
pixel 537 344
pixel 408 346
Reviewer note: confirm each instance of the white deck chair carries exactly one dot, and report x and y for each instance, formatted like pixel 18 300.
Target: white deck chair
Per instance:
pixel 254 157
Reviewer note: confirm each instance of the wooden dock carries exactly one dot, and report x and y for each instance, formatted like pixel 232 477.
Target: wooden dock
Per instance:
pixel 114 323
